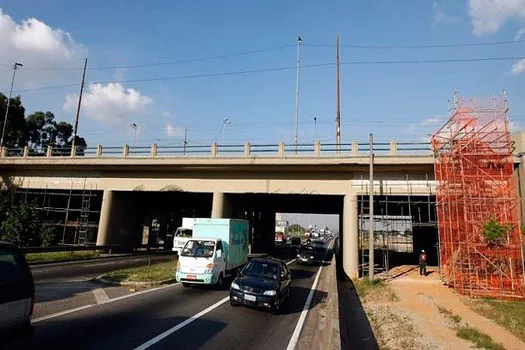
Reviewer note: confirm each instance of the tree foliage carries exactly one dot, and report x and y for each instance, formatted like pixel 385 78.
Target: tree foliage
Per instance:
pixel 37 130
pixel 296 228
pixel 494 231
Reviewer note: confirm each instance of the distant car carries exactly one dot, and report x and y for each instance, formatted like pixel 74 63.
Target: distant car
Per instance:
pixel 312 252
pixel 263 282
pixel 17 289
pixel 280 238
pixel 295 241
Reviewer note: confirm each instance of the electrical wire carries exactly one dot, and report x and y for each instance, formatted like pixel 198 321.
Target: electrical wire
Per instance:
pixel 391 47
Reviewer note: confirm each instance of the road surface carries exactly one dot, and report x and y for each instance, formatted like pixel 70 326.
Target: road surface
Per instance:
pixel 137 321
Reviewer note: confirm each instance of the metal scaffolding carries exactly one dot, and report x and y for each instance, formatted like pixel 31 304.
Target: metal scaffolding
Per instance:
pixel 476 185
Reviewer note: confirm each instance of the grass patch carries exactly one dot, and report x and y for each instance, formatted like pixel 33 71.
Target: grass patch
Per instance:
pixel 155 273
pixel 509 314
pixel 481 340
pixel 60 256
pixel 379 288
pixel 449 314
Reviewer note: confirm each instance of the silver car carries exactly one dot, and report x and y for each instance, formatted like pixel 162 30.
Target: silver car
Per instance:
pixel 17 289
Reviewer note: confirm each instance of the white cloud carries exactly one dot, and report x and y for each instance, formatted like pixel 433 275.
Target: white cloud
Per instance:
pixel 431 121
pixel 173 131
pixel 520 34
pixel 518 68
pixel 35 44
pixel 111 102
pixel 488 16
pixel 440 16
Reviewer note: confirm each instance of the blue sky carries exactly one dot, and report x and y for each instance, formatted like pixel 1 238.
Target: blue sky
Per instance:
pixel 394 101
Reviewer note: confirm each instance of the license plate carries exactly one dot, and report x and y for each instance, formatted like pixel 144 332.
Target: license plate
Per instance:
pixel 249 297
pixel 191 277
pixel 304 259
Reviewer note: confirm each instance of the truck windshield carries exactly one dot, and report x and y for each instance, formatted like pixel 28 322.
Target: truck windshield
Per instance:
pixel 199 249
pixel 261 269
pixel 184 232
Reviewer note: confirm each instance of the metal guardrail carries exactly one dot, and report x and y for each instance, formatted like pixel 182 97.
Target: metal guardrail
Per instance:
pixel 118 247
pixel 247 150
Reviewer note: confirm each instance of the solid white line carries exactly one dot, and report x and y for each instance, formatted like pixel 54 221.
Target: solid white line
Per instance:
pixel 302 318
pixel 62 313
pixel 183 324
pixel 43 318
pixel 297 331
pixel 100 295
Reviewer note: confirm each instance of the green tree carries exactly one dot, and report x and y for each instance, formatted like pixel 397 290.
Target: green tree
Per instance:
pixel 296 228
pixel 22 224
pixel 494 231
pixel 16 132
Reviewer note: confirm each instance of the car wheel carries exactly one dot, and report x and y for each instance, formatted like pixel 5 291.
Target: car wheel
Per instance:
pixel 233 303
pixel 185 285
pixel 277 306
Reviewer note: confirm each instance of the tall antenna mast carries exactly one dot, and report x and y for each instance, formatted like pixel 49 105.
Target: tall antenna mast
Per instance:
pixel 338 117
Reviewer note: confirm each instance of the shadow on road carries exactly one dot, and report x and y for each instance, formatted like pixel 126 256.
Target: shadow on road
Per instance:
pixel 63 290
pixel 355 329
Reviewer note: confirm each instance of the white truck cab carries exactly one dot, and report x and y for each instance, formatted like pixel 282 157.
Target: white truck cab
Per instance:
pixel 202 261
pixel 183 234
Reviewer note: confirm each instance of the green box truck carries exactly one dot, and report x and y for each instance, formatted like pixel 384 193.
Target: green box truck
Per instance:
pixel 217 249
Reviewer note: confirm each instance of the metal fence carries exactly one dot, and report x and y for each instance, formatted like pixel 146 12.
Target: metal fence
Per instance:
pixel 354 149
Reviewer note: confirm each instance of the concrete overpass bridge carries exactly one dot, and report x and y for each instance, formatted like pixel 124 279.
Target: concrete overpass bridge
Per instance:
pixel 240 181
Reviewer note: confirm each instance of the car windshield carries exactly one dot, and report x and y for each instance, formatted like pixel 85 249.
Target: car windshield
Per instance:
pixel 199 249
pixel 184 232
pixel 261 269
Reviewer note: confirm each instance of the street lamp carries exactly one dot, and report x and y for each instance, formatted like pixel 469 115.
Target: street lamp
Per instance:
pixel 134 126
pixel 225 121
pixel 16 65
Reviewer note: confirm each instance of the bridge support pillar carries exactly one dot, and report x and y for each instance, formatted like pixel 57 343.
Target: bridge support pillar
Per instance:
pixel 219 207
pixel 105 218
pixel 350 236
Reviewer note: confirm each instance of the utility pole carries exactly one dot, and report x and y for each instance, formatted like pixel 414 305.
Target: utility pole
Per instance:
pixel 338 117
pixel 185 139
pixel 299 43
pixel 75 130
pixel 15 67
pixel 371 211
pixel 134 126
pixel 315 129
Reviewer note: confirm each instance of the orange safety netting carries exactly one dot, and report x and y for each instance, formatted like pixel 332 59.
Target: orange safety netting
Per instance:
pixel 474 169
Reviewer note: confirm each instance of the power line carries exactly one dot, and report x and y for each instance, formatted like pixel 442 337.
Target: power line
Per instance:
pixel 286 68
pixel 144 65
pixel 391 47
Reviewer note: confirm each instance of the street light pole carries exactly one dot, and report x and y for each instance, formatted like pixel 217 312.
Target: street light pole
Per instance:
pixel 315 129
pixel 15 67
pixel 134 126
pixel 299 42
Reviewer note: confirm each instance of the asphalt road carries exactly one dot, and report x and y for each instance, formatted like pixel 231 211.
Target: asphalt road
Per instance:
pixel 133 321
pixel 88 269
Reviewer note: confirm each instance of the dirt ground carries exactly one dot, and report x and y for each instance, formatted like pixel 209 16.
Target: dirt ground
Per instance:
pixel 412 316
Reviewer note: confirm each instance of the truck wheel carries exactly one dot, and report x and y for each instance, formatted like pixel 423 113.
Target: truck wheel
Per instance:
pixel 220 282
pixel 185 285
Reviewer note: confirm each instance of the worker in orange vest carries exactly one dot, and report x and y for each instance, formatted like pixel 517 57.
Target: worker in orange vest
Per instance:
pixel 423 263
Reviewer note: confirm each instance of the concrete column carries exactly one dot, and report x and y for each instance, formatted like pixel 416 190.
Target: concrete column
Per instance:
pixel 73 151
pixel 350 236
pixel 218 205
pixel 214 149
pixel 282 150
pixel 247 149
pixel 2 151
pixel 49 151
pixel 317 148
pixel 125 150
pixel 26 151
pixel 104 223
pixel 99 150
pixel 393 148
pixel 154 150
pixel 355 148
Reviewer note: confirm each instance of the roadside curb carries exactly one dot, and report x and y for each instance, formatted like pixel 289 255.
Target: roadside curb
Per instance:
pixel 79 261
pixel 101 279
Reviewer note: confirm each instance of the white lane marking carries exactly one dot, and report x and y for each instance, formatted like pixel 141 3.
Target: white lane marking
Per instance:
pixel 302 318
pixel 43 318
pixel 100 295
pixel 172 330
pixel 183 324
pixel 58 314
pixel 297 331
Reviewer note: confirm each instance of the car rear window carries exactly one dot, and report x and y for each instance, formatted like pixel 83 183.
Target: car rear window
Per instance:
pixel 11 266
